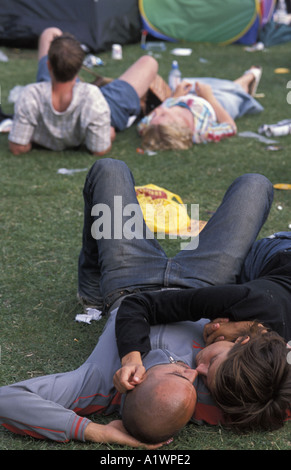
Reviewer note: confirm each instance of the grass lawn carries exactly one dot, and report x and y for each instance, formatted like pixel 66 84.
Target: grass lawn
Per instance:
pixel 42 214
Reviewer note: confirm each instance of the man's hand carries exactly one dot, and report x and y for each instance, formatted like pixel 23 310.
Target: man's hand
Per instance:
pixel 114 433
pixel 222 329
pixel 130 374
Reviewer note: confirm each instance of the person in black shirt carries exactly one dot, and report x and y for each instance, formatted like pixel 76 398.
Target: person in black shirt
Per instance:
pixel 260 304
pixel 121 261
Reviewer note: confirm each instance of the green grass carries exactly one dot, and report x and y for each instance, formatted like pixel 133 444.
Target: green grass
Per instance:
pixel 41 216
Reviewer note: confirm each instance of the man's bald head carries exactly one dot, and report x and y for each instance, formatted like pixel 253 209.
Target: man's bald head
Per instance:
pixel 161 405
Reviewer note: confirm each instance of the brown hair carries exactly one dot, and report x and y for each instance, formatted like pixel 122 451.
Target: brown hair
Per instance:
pixel 253 385
pixel 66 57
pixel 166 137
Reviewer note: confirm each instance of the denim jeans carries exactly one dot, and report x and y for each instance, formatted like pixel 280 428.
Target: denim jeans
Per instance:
pixel 118 265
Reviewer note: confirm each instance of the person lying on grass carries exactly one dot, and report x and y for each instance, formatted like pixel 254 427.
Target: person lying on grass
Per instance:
pixel 60 111
pixel 206 113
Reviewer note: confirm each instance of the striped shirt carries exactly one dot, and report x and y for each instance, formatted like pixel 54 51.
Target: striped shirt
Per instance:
pixel 86 120
pixel 206 127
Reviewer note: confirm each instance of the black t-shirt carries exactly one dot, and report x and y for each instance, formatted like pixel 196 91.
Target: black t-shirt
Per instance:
pixel 266 299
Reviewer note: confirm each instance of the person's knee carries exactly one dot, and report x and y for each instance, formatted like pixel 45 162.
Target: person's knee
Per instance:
pixel 149 63
pixel 255 182
pixel 107 167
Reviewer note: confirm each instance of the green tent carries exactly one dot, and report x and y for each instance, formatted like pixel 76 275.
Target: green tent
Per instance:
pixel 214 21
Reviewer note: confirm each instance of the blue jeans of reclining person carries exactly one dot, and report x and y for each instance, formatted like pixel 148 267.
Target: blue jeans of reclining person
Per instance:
pixel 117 264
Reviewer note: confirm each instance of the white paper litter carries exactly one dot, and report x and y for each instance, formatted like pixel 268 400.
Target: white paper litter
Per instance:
pixel 66 171
pixel 3 57
pixel 181 51
pixel 5 125
pixel 92 314
pixel 259 137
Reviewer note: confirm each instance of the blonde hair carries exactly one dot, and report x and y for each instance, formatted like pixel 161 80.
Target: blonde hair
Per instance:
pixel 166 137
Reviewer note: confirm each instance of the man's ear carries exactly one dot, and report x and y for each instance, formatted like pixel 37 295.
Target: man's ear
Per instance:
pixel 242 339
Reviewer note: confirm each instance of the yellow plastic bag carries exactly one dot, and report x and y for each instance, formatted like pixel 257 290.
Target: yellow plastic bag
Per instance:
pixel 163 211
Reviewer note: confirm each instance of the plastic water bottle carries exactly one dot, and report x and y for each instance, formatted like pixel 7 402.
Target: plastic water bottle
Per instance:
pixel 174 76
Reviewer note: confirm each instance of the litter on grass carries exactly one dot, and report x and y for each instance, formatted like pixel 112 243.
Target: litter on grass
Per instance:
pixel 259 137
pixel 66 171
pixel 92 314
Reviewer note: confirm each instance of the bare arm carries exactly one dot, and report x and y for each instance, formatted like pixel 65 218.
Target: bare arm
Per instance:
pixel 205 91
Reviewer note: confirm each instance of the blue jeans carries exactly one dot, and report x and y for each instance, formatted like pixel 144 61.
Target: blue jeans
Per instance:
pixel 232 97
pixel 113 267
pixel 42 74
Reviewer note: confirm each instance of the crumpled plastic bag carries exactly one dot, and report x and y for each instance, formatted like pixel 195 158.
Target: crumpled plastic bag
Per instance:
pixel 92 314
pixel 163 211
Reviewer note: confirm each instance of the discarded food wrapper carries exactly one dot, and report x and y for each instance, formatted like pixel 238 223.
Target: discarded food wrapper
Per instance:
pixel 273 148
pixel 182 51
pixel 203 61
pixel 92 314
pixel 259 46
pixel 282 70
pixel 155 46
pixel 147 152
pixel 65 171
pixel 258 137
pixel 92 61
pixel 282 186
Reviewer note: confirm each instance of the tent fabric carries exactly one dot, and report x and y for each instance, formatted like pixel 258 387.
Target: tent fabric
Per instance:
pixel 265 12
pixel 210 21
pixel 96 23
pixel 273 34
